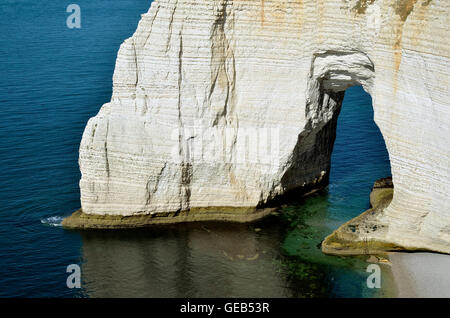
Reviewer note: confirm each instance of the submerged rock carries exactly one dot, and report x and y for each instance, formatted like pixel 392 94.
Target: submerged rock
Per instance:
pixel 220 103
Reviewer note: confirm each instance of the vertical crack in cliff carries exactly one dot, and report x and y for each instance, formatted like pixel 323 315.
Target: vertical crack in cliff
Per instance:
pixel 222 66
pixel 230 70
pixel 169 37
pixel 106 152
pixel 186 178
pixel 186 166
pixel 152 189
pixel 151 23
pixel 180 81
pixel 136 85
pixel 136 63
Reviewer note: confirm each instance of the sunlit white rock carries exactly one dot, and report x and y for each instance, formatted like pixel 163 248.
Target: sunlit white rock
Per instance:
pixel 196 65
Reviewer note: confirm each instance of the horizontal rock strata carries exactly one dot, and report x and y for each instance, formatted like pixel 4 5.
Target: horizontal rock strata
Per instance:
pixel 234 103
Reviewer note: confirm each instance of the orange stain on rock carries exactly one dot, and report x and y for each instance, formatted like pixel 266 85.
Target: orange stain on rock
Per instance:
pixel 300 16
pixel 420 22
pixel 403 8
pixel 398 48
pixel 361 6
pixel 262 12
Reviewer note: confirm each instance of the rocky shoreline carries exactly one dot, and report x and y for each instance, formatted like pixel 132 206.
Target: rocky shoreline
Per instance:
pixel 81 220
pixel 351 238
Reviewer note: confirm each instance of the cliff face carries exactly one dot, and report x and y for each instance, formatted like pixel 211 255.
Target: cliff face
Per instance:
pixel 220 103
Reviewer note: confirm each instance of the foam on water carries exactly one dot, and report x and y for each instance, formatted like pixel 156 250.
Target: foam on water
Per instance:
pixel 53 220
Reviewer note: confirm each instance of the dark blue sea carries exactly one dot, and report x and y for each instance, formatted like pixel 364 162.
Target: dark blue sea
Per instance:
pixel 53 79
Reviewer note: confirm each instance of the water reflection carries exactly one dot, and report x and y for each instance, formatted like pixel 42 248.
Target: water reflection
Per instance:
pixel 279 256
pixel 197 260
pixel 190 260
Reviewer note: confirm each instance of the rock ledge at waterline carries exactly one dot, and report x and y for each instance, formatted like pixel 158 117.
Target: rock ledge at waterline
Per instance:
pixel 346 240
pixel 279 68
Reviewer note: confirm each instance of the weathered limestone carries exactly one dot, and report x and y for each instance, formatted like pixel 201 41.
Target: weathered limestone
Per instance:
pixel 200 77
pixel 80 220
pixel 346 240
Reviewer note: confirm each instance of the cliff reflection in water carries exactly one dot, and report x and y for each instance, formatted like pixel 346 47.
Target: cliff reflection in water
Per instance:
pixel 190 260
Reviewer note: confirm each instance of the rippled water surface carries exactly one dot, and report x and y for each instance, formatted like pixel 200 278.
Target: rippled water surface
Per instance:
pixel 53 80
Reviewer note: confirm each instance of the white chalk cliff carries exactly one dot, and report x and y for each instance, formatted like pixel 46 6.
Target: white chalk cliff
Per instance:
pixel 232 103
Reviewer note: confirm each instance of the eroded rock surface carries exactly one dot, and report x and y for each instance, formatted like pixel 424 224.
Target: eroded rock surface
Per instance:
pixel 200 78
pixel 353 237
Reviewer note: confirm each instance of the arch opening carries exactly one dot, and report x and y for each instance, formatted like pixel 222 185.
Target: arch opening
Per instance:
pixel 332 74
pixel 350 165
pixel 360 179
pixel 359 156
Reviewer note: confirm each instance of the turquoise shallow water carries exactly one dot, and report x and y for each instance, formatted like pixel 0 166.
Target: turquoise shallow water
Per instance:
pixel 53 80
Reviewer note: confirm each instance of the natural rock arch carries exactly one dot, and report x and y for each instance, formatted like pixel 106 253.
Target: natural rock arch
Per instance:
pixel 332 72
pixel 234 65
